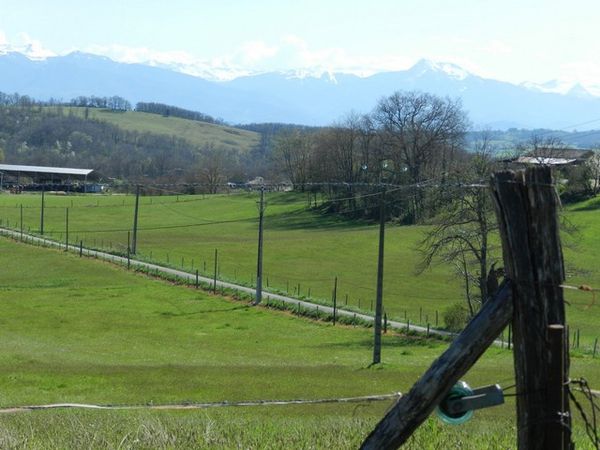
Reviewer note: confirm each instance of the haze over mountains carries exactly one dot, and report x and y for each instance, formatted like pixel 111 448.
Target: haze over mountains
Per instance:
pixel 299 98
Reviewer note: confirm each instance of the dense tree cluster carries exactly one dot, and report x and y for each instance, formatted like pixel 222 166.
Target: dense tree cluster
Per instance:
pixel 409 139
pixel 174 111
pixel 114 103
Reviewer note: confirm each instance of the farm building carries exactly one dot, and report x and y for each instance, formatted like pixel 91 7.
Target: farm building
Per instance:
pixel 555 157
pixel 37 178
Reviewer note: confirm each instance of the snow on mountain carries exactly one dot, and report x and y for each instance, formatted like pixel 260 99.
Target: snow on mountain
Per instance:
pixel 311 96
pixel 452 70
pixel 552 86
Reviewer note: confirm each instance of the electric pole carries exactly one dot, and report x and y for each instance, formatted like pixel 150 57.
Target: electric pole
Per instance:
pixel 259 262
pixel 135 220
pixel 379 299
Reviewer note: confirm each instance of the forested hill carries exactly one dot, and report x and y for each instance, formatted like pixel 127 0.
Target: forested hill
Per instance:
pixel 126 145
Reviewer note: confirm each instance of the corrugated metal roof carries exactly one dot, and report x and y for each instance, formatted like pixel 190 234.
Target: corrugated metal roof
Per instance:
pixel 42 169
pixel 545 161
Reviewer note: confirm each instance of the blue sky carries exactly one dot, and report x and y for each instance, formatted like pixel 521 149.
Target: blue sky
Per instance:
pixel 526 40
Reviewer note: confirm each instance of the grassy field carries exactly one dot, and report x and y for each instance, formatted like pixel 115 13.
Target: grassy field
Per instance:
pixel 303 248
pixel 199 133
pixel 80 330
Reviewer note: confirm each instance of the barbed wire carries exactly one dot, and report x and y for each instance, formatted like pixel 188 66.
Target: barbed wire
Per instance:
pixel 591 426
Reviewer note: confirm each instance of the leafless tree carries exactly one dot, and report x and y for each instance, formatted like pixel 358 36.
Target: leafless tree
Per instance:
pixel 419 133
pixel 592 169
pixel 294 151
pixel 460 234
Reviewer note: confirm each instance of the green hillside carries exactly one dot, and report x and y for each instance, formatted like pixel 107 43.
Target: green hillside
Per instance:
pixel 198 133
pixel 79 330
pixel 304 250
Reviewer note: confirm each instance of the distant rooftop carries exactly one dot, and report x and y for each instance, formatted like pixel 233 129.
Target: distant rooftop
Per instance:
pixel 42 169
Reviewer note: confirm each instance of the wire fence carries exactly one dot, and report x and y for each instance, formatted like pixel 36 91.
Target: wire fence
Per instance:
pixel 182 230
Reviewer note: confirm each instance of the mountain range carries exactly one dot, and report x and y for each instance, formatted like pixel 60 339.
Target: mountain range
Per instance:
pixel 294 97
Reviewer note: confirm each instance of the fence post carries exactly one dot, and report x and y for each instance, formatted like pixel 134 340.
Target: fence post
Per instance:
pixel 526 205
pixel 215 273
pixel 334 300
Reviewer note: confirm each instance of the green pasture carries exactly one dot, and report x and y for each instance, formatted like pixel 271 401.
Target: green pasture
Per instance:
pixel 198 133
pixel 304 250
pixel 80 330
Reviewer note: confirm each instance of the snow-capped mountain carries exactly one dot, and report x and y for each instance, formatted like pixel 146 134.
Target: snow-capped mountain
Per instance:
pixel 309 96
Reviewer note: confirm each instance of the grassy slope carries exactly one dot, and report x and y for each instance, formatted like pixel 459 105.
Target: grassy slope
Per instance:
pixel 199 133
pixel 79 330
pixel 301 247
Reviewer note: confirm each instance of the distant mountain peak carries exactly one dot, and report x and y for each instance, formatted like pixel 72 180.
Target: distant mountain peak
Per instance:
pixel 452 70
pixel 579 91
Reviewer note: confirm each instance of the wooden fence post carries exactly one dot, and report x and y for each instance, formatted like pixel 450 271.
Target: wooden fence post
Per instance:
pixel 413 408
pixel 526 205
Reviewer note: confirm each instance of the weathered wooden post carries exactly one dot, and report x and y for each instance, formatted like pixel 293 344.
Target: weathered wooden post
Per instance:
pixel 527 205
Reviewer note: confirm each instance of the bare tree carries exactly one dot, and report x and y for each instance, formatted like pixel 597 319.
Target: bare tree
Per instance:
pixel 592 170
pixel 461 233
pixel 419 133
pixel 214 166
pixel 294 152
pixel 541 148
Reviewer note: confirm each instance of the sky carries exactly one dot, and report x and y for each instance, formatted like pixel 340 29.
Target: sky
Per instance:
pixel 509 40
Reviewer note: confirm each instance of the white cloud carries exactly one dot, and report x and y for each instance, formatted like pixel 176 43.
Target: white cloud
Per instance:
pixel 291 53
pixel 32 47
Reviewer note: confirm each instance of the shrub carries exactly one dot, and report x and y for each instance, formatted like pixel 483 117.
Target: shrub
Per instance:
pixel 456 317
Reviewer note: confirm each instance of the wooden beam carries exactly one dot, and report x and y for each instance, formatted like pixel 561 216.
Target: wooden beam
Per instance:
pixel 413 408
pixel 527 205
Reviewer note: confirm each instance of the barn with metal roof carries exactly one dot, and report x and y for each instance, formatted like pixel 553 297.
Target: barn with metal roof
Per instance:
pixel 41 177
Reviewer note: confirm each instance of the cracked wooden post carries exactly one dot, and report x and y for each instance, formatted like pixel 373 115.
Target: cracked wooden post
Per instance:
pixel 527 205
pixel 527 210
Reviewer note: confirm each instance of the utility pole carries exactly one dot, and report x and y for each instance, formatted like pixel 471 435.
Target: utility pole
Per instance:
pixel 21 221
pixel 259 262
pixel 42 214
pixel 135 220
pixel 379 299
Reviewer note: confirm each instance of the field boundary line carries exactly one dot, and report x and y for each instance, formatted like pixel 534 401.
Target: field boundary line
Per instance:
pixel 191 278
pixel 203 405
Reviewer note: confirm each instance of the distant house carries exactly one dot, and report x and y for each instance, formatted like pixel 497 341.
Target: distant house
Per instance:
pixel 555 157
pixel 256 183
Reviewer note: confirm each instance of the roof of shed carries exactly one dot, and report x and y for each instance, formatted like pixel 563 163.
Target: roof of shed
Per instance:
pixel 42 169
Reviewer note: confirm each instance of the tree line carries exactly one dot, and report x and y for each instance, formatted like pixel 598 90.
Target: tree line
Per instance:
pixel 173 111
